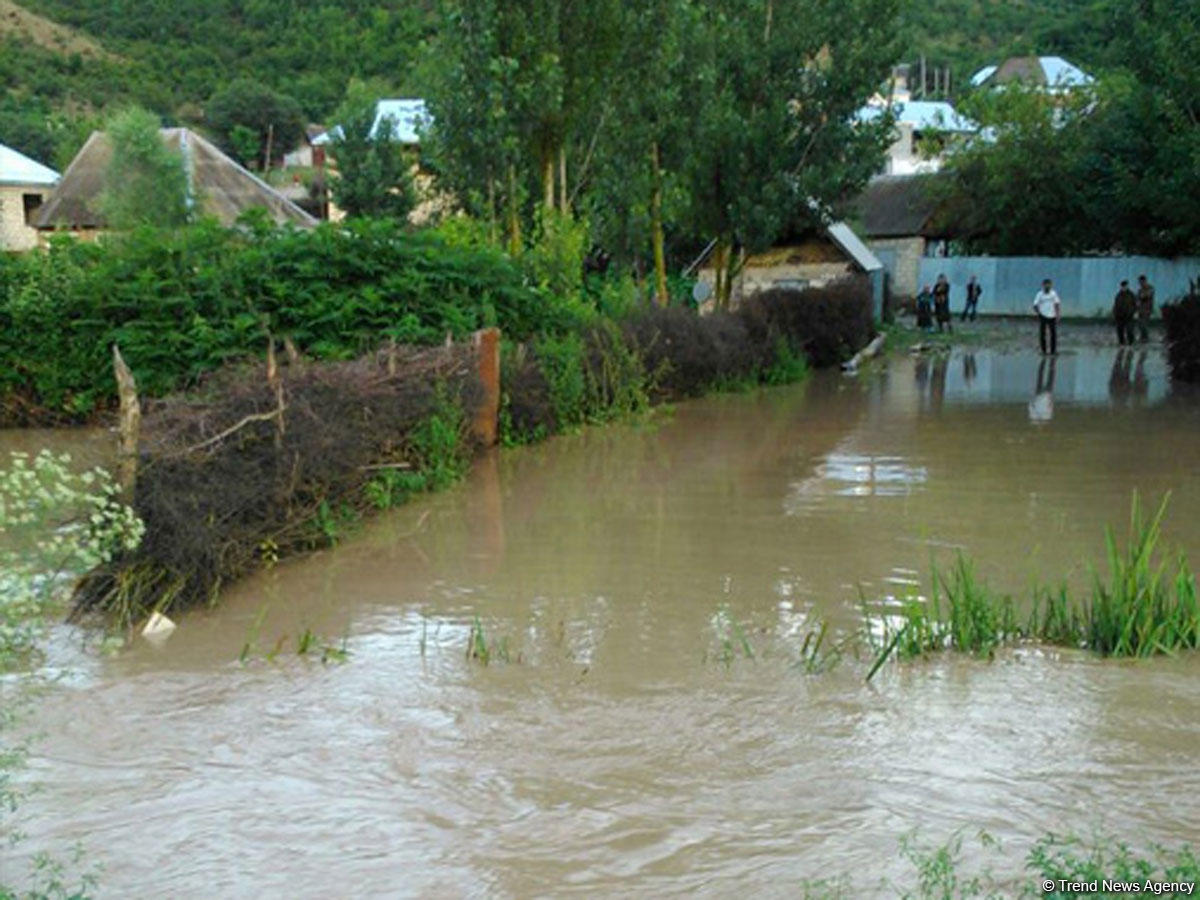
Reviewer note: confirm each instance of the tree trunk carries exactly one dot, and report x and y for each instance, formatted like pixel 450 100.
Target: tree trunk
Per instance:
pixel 720 258
pixel 563 202
pixel 548 180
pixel 492 229
pixel 514 213
pixel 662 296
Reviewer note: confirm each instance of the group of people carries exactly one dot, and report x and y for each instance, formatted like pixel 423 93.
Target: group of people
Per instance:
pixel 1127 306
pixel 934 304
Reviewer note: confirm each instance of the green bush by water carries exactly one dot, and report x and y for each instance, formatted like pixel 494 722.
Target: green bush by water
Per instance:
pixel 182 303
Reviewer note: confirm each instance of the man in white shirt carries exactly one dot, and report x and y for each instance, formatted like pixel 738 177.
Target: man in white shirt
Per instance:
pixel 1049 308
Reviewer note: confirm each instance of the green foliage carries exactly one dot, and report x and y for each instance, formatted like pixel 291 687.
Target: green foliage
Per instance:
pixel 555 259
pixel 1146 607
pixel 562 364
pixel 177 55
pixel 247 114
pixel 942 872
pixel 373 170
pixel 483 651
pixel 788 367
pixel 55 523
pixel 1182 321
pixel 182 303
pixel 1115 166
pixel 437 444
pixel 145 183
pixel 1067 858
pixel 774 145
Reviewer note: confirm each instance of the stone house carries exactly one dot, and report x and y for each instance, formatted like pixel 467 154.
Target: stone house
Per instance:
pixel 813 259
pixel 897 216
pixel 24 186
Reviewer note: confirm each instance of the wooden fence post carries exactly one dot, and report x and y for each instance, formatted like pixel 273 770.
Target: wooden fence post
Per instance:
pixel 485 428
pixel 129 425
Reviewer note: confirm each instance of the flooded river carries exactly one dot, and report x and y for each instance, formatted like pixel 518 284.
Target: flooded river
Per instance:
pixel 614 753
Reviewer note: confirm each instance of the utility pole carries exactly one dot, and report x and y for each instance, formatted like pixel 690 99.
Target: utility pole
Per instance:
pixel 922 76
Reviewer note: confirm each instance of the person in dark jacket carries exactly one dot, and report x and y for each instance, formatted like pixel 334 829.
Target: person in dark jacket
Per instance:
pixel 941 303
pixel 925 309
pixel 1145 308
pixel 1124 306
pixel 974 292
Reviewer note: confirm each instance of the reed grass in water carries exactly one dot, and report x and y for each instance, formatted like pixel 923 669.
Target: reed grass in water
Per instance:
pixel 1147 605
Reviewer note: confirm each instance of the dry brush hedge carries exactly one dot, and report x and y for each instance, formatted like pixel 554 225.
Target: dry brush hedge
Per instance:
pixel 254 468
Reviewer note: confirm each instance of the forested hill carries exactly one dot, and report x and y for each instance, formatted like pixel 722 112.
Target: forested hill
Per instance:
pixel 172 55
pixel 966 35
pixel 63 59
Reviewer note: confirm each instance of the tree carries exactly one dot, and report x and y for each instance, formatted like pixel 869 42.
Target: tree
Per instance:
pixel 775 144
pixel 253 121
pixel 1020 189
pixel 644 148
pixel 1109 169
pixel 517 91
pixel 145 183
pixel 374 171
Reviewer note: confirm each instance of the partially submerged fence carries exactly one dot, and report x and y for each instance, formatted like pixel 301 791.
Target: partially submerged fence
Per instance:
pixel 1085 284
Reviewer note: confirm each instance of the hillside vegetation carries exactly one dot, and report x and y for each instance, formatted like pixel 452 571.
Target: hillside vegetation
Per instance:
pixel 64 60
pixel 966 35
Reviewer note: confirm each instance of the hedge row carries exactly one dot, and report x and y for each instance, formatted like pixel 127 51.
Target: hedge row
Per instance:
pixel 654 355
pixel 184 303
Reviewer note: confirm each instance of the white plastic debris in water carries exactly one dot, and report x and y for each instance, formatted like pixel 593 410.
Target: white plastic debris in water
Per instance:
pixel 158 627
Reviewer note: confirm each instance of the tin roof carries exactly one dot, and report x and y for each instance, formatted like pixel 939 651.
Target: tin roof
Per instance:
pixel 408 117
pixel 1049 71
pixel 18 169
pixel 923 115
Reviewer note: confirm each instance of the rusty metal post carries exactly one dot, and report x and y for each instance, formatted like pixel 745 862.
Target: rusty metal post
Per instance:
pixel 485 428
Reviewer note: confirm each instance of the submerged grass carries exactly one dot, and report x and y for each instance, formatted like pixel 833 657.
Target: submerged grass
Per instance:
pixel 943 872
pixel 1148 605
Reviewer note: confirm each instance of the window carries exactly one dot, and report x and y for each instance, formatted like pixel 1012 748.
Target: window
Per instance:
pixel 33 202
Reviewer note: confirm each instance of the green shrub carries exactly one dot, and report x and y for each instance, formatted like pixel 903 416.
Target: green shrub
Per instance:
pixel 182 303
pixel 1182 321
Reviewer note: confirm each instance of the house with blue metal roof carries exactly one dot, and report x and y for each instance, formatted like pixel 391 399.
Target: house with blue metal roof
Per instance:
pixel 407 117
pixel 1050 73
pixel 24 186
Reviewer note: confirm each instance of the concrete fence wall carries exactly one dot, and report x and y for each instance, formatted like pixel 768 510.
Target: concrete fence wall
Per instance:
pixel 1086 285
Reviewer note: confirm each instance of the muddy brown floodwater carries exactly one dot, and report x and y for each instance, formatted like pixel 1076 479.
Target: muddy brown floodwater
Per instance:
pixel 614 753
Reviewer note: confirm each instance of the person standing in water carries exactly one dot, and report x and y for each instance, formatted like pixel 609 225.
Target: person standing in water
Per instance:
pixel 1145 309
pixel 1124 305
pixel 974 291
pixel 1048 306
pixel 941 303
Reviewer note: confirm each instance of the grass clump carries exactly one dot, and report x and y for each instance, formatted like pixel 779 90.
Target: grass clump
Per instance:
pixel 1144 608
pixel 1147 605
pixel 941 872
pixel 483 650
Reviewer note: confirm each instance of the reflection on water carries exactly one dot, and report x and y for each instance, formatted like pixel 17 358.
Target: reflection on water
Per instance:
pixel 614 753
pixel 1087 376
pixel 1041 407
